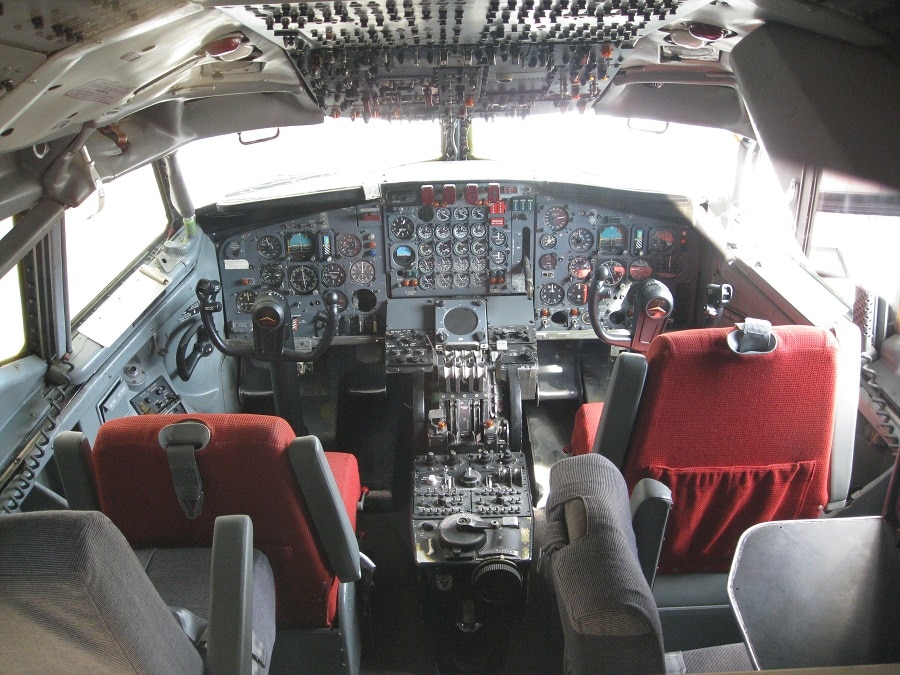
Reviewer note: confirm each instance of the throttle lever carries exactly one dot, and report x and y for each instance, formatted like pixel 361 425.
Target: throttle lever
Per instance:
pixel 474 524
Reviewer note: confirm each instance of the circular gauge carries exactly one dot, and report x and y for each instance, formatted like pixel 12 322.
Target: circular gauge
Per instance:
pixel 479 247
pixel 444 264
pixel 478 230
pixel 478 213
pixel 552 294
pixel 426 213
pixel 244 301
pixel 299 246
pixel 479 263
pixel 612 240
pixel 548 261
pixel 548 241
pixel 342 301
pixel 556 218
pixel 479 279
pixel 333 275
pixel 442 215
pixel 461 280
pixel 460 231
pixel 304 279
pixel 498 258
pixel 426 282
pixel 443 280
pixel 443 248
pixel 460 264
pixel 640 269
pixel 669 266
pixel 403 255
pixel 362 272
pixel 425 231
pixel 661 239
pixel 658 308
pixel 616 272
pixel 460 247
pixel 402 228
pixel 233 250
pixel 580 267
pixel 498 237
pixel 443 231
pixel 426 265
pixel 578 293
pixel 581 240
pixel 349 245
pixel 426 248
pixel 460 213
pixel 269 247
pixel 272 274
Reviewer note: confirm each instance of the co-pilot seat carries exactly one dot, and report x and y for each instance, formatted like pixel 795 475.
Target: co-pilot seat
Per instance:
pixel 163 479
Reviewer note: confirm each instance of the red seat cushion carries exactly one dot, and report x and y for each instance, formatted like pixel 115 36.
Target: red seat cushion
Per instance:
pixel 738 438
pixel 245 469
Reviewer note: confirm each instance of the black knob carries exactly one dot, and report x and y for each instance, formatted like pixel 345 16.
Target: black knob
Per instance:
pixel 331 297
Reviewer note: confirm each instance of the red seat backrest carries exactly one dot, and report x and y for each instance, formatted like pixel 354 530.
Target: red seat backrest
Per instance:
pixel 245 469
pixel 739 439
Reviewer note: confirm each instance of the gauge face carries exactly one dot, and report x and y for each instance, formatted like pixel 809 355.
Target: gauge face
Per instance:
pixel 460 213
pixel 616 272
pixel 342 301
pixel 460 247
pixel 272 274
pixel 478 230
pixel 658 308
pixel 556 218
pixel 581 240
pixel 461 280
pixel 333 275
pixel 479 279
pixel 244 301
pixel 349 245
pixel 460 231
pixel 669 266
pixel 402 228
pixel 580 267
pixel 443 280
pixel 661 239
pixel 612 240
pixel 362 272
pixel 478 213
pixel 443 248
pixel 498 258
pixel 269 247
pixel 404 255
pixel 460 264
pixel 480 263
pixel 578 293
pixel 548 241
pixel 640 269
pixel 426 213
pixel 479 247
pixel 426 248
pixel 304 279
pixel 548 261
pixel 443 231
pixel 426 282
pixel 299 246
pixel 444 264
pixel 498 237
pixel 426 265
pixel 425 231
pixel 552 294
pixel 442 215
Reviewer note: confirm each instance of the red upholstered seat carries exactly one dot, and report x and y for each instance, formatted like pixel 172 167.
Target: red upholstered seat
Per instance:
pixel 739 439
pixel 245 469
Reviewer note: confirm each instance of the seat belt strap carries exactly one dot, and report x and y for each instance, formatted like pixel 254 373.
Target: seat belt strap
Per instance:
pixel 197 630
pixel 186 479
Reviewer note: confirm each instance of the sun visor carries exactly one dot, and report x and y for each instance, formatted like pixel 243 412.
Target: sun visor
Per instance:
pixel 822 102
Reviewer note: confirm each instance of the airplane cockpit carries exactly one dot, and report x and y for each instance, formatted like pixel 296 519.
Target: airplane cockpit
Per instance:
pixel 419 336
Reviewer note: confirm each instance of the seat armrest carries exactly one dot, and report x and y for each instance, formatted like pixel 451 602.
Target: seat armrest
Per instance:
pixel 326 508
pixel 651 502
pixel 72 451
pixel 230 641
pixel 624 394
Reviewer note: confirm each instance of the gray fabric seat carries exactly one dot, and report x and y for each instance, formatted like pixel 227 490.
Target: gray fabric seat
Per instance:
pixel 589 556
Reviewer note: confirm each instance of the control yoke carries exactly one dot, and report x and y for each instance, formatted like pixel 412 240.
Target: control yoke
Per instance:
pixel 631 321
pixel 271 325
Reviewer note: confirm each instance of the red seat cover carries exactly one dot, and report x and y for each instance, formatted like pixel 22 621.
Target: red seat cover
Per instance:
pixel 245 470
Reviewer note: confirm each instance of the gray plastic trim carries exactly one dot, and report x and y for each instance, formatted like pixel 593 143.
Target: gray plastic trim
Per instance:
pixel 846 403
pixel 624 395
pixel 325 506
pixel 71 449
pixel 651 502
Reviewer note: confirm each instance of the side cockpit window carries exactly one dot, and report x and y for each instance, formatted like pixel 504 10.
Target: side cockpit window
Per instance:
pixel 12 337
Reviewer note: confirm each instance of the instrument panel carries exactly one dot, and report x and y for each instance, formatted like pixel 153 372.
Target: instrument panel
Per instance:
pixel 468 241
